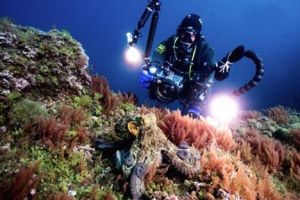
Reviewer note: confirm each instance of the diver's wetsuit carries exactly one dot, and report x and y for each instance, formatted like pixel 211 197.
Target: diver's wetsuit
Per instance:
pixel 195 63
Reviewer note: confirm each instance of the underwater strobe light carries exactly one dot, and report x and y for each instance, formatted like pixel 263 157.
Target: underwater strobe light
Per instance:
pixel 224 108
pixel 132 55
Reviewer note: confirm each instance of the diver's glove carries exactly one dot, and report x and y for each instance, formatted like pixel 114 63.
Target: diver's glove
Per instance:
pixel 194 111
pixel 146 78
pixel 232 57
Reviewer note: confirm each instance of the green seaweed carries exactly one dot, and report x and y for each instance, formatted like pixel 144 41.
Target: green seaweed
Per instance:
pixel 54 80
pixel 58 173
pixel 25 111
pixel 13 96
pixel 3 107
pixel 5 23
pixel 84 101
pixel 293 185
pixel 128 107
pixel 40 79
pixel 44 69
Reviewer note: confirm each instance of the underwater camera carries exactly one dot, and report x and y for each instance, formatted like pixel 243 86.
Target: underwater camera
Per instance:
pixel 167 84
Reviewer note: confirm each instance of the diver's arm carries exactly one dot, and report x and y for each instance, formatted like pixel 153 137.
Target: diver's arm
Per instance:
pixel 206 64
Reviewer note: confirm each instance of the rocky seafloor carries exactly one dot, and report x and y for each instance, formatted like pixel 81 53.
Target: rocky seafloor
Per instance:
pixel 65 135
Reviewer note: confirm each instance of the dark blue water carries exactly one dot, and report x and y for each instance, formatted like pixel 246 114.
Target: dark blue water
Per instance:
pixel 270 27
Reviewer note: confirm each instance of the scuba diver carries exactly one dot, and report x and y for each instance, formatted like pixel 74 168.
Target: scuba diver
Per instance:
pixel 187 66
pixel 183 67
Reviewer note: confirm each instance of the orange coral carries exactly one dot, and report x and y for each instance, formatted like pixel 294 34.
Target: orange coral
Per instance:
pixel 295 166
pixel 225 139
pixel 78 115
pixel 128 97
pixel 151 171
pixel 223 172
pixel 109 196
pixel 81 135
pixel 51 131
pixel 61 196
pixel 183 128
pixel 68 115
pixel 108 101
pixel 296 138
pixel 22 185
pixel 48 130
pixel 194 131
pixel 266 190
pixel 279 114
pixel 243 151
pixel 270 152
pixel 250 115
pixel 226 172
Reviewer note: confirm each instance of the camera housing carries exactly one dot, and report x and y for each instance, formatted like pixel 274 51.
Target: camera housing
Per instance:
pixel 167 84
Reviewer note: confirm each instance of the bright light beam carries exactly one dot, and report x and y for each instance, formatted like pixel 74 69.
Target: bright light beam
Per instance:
pixel 224 108
pixel 133 56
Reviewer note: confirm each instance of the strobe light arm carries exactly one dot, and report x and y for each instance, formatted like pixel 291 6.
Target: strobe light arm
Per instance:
pixel 151 35
pixel 153 6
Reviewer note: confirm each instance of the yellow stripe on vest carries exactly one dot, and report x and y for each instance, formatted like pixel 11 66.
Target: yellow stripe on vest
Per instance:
pixel 161 49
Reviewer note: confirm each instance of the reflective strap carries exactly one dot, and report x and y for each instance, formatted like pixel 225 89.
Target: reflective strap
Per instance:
pixel 174 47
pixel 191 65
pixel 161 49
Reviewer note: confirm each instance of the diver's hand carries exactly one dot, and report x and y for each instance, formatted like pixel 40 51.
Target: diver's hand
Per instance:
pixel 195 111
pixel 146 78
pixel 232 57
pixel 224 67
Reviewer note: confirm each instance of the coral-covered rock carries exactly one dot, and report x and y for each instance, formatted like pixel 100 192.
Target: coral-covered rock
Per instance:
pixel 54 114
pixel 40 63
pixel 268 126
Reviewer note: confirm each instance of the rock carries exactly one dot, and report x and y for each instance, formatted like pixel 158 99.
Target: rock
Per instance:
pixel 21 83
pixel 7 38
pixel 3 129
pixel 295 126
pixel 45 64
pixel 72 193
pixel 282 135
pixel 5 148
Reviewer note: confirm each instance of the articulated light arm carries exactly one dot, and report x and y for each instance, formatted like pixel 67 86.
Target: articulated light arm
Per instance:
pixel 132 38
